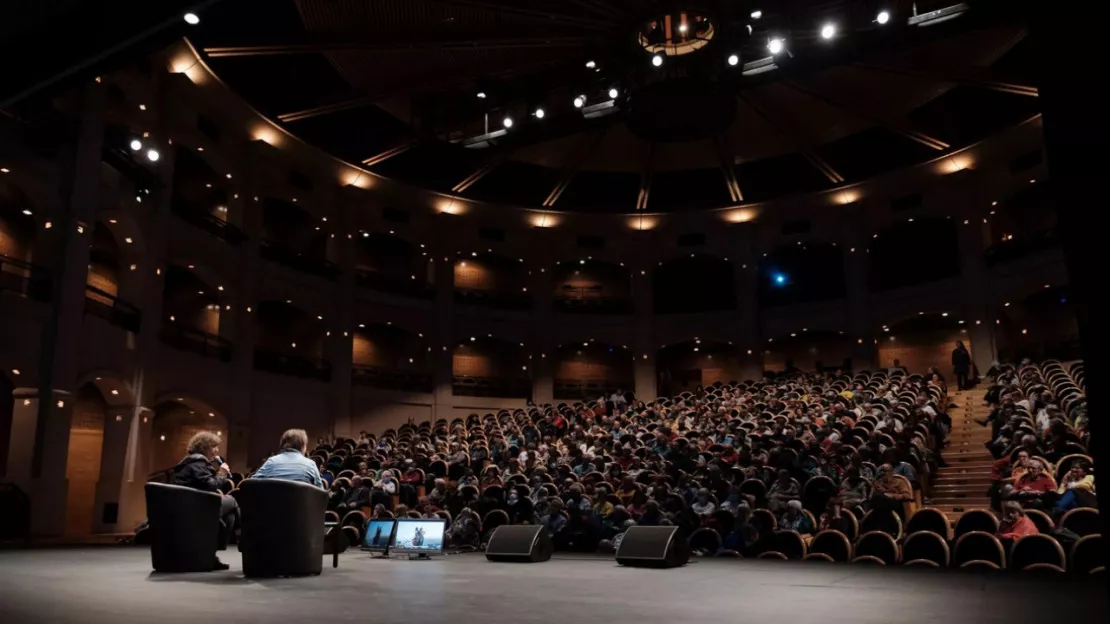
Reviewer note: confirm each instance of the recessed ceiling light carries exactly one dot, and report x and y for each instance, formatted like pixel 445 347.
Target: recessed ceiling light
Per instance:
pixel 613 93
pixel 657 60
pixel 733 60
pixel 507 122
pixel 590 64
pixel 883 17
pixel 191 19
pixel 136 145
pixel 828 31
pixel 152 155
pixel 580 101
pixel 775 45
pixel 481 95
pixel 539 113
pixel 757 14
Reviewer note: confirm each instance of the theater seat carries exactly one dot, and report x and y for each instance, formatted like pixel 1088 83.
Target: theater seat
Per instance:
pixel 282 534
pixel 184 527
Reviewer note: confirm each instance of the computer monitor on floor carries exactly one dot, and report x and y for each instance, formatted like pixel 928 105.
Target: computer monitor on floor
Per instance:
pixel 379 534
pixel 419 536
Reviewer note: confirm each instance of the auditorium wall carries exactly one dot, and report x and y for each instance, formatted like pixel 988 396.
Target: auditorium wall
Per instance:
pixel 86 440
pixel 918 351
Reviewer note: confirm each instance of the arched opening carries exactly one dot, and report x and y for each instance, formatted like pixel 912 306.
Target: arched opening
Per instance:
pixel 1022 225
pixel 913 252
pixel 922 342
pixel 292 237
pixel 390 357
pixel 200 196
pixel 392 264
pixel 696 283
pixel 588 370
pixel 192 309
pixel 490 367
pixel 686 365
pixel 808 351
pixel 1040 326
pixel 86 443
pixel 592 286
pixel 7 408
pixel 491 280
pixel 17 242
pixel 105 277
pixel 801 273
pixel 290 341
pixel 175 422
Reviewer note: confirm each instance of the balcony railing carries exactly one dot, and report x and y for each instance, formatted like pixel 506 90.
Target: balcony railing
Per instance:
pixel 491 387
pixel 215 226
pixel 111 308
pixel 391 379
pixel 493 299
pixel 275 252
pixel 292 364
pixel 1020 247
pixel 588 388
pixel 395 285
pixel 587 300
pixel 24 279
pixel 196 341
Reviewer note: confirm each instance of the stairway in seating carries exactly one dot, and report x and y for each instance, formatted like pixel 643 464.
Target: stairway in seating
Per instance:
pixel 963 484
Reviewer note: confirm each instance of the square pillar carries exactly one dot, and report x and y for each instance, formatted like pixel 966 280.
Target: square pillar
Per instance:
pixel 42 477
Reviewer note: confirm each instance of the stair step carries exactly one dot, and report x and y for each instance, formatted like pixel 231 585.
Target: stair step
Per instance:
pixel 968 502
pixel 967 489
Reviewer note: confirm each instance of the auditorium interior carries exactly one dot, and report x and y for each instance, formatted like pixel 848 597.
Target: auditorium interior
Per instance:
pixel 796 298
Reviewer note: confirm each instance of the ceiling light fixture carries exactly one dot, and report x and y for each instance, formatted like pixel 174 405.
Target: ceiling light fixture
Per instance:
pixel 657 60
pixel 828 31
pixel 613 93
pixel 191 19
pixel 539 113
pixel 776 45
pixel 733 60
pixel 481 95
pixel 152 155
pixel 507 122
pixel 136 145
pixel 590 64
pixel 883 17
pixel 580 101
pixel 757 14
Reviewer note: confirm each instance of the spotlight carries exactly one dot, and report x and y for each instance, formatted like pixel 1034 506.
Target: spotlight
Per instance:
pixel 775 45
pixel 733 60
pixel 27 212
pixel 152 155
pixel 507 122
pixel 682 28
pixel 779 279
pixel 757 14
pixel 613 93
pixel 590 64
pixel 481 95
pixel 828 31
pixel 657 60
pixel 136 145
pixel 539 113
pixel 191 19
pixel 580 101
pixel 883 17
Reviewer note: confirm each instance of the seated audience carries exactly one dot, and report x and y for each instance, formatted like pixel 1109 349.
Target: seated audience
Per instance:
pixel 1077 489
pixel 1014 525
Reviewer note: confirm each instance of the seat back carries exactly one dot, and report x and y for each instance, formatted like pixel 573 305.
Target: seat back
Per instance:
pixel 789 543
pixel 184 527
pixel 1083 521
pixel 832 543
pixel 283 529
pixel 879 545
pixel 1036 549
pixel 929 519
pixel 705 541
pixel 979 546
pixel 928 546
pixel 976 520
pixel 884 520
pixel 1087 554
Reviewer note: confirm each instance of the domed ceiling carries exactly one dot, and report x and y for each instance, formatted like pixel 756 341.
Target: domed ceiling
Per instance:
pixel 420 91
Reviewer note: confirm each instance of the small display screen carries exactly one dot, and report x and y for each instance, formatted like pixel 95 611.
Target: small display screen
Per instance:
pixel 378 534
pixel 419 535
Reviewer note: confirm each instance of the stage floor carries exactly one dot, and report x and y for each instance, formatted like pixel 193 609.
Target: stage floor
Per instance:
pixel 115 585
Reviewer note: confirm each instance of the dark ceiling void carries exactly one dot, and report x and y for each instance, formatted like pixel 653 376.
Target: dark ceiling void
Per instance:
pixel 412 90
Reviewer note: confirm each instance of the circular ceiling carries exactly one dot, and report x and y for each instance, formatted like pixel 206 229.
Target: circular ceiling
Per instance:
pixel 562 103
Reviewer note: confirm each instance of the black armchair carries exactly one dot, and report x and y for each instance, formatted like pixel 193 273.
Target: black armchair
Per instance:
pixel 283 527
pixel 184 527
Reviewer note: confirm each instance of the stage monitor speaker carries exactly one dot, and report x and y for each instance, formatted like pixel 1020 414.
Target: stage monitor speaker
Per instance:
pixel 521 544
pixel 653 547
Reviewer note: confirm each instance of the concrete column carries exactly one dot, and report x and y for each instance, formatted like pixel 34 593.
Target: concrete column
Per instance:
pixel 542 340
pixel 645 373
pixel 976 292
pixel 137 424
pixel 340 346
pixel 747 331
pixel 46 431
pixel 861 327
pixel 113 481
pixel 443 340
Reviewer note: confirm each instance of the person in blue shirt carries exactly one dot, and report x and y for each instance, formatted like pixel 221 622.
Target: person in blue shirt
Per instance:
pixel 290 463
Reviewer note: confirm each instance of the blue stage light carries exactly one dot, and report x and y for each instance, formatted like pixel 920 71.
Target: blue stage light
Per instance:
pixel 779 279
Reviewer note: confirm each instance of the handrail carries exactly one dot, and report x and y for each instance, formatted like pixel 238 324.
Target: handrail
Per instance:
pixel 26 279
pixel 391 378
pixel 513 387
pixel 588 388
pixel 223 230
pixel 277 252
pixel 191 339
pixel 1024 245
pixel 111 308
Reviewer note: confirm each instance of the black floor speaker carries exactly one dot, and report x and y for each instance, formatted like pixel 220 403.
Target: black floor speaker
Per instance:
pixel 521 544
pixel 653 547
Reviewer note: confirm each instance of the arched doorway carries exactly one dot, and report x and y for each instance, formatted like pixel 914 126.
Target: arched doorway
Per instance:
pixel 86 443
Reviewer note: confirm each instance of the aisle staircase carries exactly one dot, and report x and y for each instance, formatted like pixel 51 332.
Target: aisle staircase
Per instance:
pixel 963 484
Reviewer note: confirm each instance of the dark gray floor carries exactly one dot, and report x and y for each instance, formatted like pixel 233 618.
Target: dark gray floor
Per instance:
pixel 115 585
